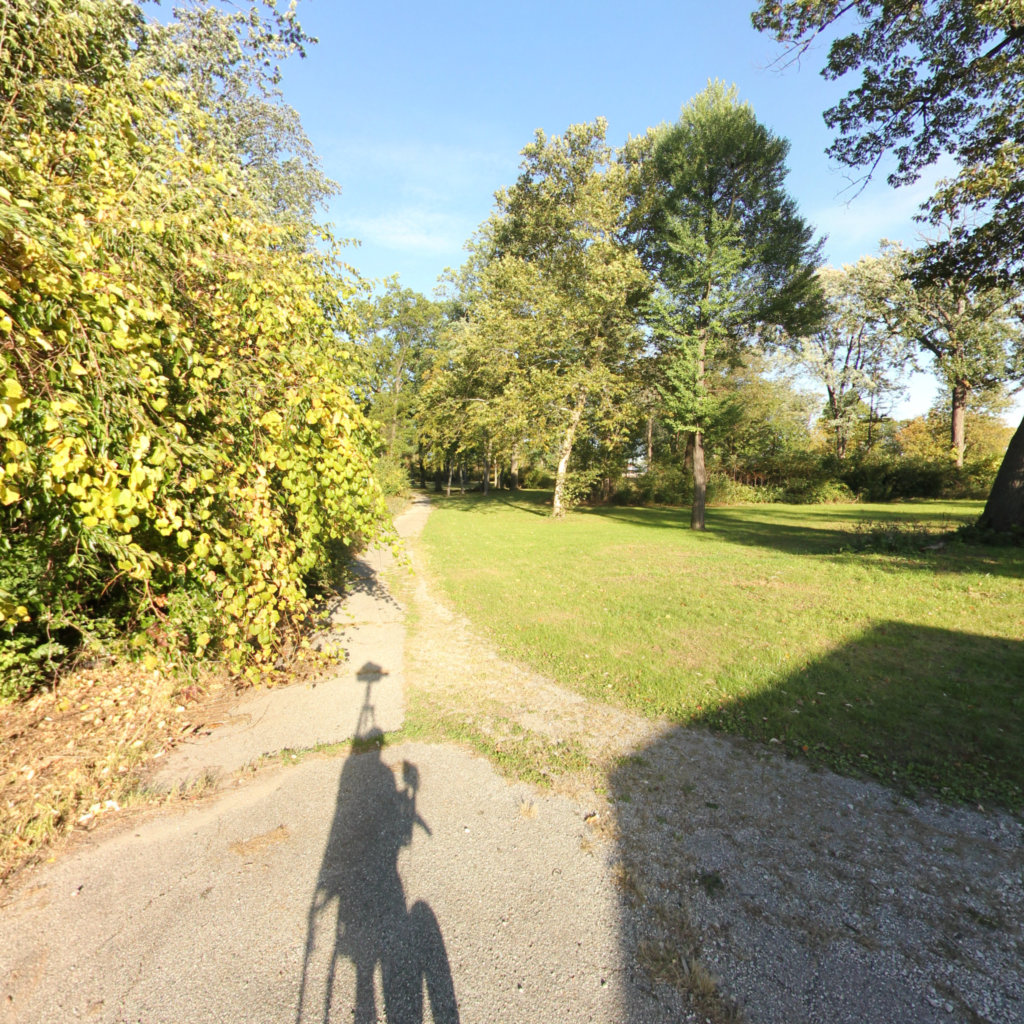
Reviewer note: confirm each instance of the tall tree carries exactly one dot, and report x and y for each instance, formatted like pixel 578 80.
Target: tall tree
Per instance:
pixel 971 332
pixel 396 333
pixel 853 353
pixel 935 77
pixel 455 398
pixel 562 285
pixel 731 254
pixel 229 61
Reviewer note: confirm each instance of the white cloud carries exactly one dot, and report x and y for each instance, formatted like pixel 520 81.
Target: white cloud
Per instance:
pixel 411 198
pixel 409 229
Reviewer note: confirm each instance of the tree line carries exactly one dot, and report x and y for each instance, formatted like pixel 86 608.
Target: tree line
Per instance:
pixel 644 309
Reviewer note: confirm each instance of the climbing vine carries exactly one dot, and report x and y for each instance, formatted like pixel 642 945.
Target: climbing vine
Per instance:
pixel 180 447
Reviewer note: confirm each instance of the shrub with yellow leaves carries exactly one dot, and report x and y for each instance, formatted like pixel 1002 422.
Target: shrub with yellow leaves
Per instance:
pixel 181 449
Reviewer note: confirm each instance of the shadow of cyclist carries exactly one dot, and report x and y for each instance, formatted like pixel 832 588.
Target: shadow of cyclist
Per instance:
pixel 358 911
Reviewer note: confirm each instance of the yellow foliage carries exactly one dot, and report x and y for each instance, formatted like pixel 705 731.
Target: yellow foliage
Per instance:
pixel 190 436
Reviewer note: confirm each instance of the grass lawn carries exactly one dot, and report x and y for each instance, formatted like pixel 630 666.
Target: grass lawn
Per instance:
pixel 907 666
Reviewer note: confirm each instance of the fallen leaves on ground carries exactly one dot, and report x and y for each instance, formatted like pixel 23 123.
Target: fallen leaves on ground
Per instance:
pixel 72 755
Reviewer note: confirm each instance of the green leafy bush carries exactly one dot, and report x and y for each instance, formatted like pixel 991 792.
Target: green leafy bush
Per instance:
pixel 662 484
pixel 539 477
pixel 886 478
pixel 817 492
pixel 179 444
pixel 723 490
pixel 392 475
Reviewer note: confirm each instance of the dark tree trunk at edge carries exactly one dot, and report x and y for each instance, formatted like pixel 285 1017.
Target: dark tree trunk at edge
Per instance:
pixel 513 481
pixel 1004 510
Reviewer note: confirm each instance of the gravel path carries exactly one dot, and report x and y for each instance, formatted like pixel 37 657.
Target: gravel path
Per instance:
pixel 661 875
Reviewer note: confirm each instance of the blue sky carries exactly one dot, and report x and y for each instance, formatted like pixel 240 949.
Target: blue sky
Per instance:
pixel 419 112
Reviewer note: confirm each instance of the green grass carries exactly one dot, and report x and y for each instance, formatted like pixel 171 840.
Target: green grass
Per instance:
pixel 775 624
pixel 516 752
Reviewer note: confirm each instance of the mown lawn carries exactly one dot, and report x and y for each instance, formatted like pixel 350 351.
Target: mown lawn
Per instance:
pixel 907 666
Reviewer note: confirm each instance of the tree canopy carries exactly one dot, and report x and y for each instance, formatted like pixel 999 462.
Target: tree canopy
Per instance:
pixel 971 332
pixel 732 257
pixel 853 353
pixel 558 289
pixel 936 77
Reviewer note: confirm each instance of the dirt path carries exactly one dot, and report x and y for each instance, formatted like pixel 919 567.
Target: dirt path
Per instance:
pixel 659 875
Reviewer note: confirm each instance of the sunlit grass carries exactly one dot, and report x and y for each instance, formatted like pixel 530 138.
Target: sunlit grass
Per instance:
pixel 906 666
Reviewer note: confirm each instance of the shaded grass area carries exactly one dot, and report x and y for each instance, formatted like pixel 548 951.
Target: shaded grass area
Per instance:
pixel 906 666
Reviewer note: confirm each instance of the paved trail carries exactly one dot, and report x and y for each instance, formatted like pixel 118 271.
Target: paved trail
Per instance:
pixel 408 885
pixel 414 884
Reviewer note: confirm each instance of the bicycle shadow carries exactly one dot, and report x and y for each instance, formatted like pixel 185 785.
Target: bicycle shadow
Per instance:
pixel 358 912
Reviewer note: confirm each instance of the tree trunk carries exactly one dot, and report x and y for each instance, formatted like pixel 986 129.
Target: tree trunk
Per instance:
pixel 487 469
pixel 700 475
pixel 513 480
pixel 840 444
pixel 497 476
pixel 448 485
pixel 558 505
pixel 839 427
pixel 959 416
pixel 462 477
pixel 688 451
pixel 700 483
pixel 650 443
pixel 1004 510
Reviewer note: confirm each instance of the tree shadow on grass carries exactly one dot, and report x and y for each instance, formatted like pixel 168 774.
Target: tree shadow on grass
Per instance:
pixel 830 532
pixel 814 896
pixel 532 502
pixel 910 705
pixel 800 538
